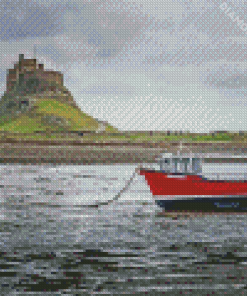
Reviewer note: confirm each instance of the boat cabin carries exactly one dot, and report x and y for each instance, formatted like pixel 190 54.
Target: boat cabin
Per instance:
pixel 191 163
pixel 179 164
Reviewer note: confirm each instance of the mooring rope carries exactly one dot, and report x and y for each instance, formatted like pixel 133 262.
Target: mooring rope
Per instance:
pixel 105 203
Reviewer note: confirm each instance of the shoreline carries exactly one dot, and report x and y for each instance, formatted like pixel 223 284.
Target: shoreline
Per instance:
pixel 100 153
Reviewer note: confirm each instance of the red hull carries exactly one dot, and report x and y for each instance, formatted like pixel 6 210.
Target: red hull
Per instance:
pixel 186 185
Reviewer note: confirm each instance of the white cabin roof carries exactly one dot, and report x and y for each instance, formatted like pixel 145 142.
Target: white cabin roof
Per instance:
pixel 202 155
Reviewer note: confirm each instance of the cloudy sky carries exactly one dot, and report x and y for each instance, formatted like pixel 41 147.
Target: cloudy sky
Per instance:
pixel 140 65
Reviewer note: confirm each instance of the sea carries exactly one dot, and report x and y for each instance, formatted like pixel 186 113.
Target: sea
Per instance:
pixel 55 241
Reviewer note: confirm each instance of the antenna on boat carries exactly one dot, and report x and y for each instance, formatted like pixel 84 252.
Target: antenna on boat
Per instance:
pixel 180 147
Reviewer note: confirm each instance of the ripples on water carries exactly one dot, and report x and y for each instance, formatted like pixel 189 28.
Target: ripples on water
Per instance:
pixel 51 244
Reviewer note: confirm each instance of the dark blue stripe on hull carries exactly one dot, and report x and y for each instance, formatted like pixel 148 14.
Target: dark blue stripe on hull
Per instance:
pixel 205 204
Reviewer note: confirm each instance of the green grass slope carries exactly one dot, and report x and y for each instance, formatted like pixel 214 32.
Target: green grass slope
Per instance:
pixel 50 115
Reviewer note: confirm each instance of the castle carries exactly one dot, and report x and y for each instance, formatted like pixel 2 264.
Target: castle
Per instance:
pixel 30 78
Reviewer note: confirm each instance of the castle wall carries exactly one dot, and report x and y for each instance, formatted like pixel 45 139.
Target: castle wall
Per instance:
pixel 36 82
pixel 28 65
pixel 30 69
pixel 51 76
pixel 11 79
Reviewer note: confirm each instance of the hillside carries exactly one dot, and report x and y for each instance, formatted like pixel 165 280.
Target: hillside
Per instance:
pixel 47 114
pixel 36 100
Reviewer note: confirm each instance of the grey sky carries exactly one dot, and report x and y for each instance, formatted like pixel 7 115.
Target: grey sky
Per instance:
pixel 141 65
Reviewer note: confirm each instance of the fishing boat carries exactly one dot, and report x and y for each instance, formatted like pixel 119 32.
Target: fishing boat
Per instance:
pixel 180 185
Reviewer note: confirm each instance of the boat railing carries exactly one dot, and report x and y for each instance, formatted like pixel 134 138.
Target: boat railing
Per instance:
pixel 225 176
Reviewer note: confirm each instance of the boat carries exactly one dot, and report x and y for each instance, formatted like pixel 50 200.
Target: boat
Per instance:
pixel 180 185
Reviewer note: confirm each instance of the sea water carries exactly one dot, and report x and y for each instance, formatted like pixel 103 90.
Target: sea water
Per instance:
pixel 52 243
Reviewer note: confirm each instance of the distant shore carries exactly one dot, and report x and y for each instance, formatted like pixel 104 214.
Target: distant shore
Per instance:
pixel 102 153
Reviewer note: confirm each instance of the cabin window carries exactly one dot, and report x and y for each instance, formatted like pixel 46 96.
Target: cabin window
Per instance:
pixel 181 165
pixel 175 166
pixel 196 165
pixel 165 164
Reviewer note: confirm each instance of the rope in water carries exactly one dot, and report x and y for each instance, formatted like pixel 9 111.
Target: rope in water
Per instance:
pixel 105 203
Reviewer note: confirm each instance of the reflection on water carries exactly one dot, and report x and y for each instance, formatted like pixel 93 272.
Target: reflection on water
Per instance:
pixel 51 243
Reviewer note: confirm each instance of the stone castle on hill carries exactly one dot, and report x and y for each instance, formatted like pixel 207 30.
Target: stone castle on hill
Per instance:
pixel 30 81
pixel 27 71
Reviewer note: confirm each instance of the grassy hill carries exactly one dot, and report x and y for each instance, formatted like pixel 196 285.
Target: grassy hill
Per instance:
pixel 50 115
pixel 47 115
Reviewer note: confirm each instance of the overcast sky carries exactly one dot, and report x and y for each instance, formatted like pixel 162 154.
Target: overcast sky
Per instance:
pixel 140 65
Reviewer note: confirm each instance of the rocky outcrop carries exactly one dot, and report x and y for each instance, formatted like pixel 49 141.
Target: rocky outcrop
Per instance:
pixel 32 102
pixel 27 83
pixel 54 120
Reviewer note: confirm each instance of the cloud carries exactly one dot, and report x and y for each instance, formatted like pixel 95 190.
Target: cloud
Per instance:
pixel 200 34
pixel 234 82
pixel 191 48
pixel 100 29
pixel 106 26
pixel 227 76
pixel 119 57
pixel 110 88
pixel 230 79
pixel 135 34
pixel 24 19
pixel 169 111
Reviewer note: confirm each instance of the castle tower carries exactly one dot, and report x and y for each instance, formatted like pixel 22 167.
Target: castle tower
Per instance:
pixel 26 69
pixel 29 78
pixel 21 57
